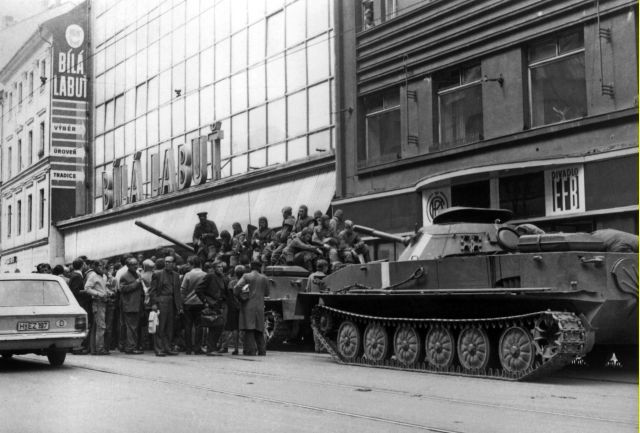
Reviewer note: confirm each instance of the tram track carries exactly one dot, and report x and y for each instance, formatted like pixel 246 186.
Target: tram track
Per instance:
pixel 353 387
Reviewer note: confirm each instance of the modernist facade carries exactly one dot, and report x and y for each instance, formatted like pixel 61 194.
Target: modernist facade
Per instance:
pixel 42 153
pixel 219 106
pixel 530 106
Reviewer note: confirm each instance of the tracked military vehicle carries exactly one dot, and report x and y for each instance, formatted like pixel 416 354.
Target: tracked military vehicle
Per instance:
pixel 469 296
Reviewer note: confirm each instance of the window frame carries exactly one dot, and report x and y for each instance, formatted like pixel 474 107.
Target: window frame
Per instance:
pixel 453 89
pixel 556 58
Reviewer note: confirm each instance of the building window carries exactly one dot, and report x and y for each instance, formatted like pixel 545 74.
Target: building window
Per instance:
pixel 459 106
pixel 19 217
pixel 523 194
pixel 41 143
pixel 29 147
pixel 29 212
pixel 43 71
pixel 20 92
pixel 9 217
pixel 557 79
pixel 30 84
pixel 382 127
pixel 41 209
pixel 10 161
pixel 19 155
pixel 473 194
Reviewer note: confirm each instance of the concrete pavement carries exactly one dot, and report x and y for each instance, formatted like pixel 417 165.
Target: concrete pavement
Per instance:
pixel 299 392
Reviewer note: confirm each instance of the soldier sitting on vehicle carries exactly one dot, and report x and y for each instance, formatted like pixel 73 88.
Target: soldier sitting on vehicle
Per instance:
pixel 299 251
pixel 350 247
pixel 325 238
pixel 272 252
pixel 261 238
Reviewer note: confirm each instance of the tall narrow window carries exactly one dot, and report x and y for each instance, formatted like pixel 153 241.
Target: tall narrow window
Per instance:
pixel 382 127
pixel 29 148
pixel 20 92
pixel 19 155
pixel 9 161
pixel 41 142
pixel 41 209
pixel 459 106
pixel 556 79
pixel 29 212
pixel 9 218
pixel 19 217
pixel 43 71
pixel 30 84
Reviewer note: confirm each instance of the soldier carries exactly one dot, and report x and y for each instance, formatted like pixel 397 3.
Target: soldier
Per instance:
pixel 303 220
pixel 287 212
pixel 261 237
pixel 273 250
pixel 350 247
pixel 251 319
pixel 205 233
pixel 325 238
pixel 337 222
pixel 301 252
pixel 238 245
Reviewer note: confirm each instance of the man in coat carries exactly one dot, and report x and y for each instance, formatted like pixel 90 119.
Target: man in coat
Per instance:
pixel 252 309
pixel 131 295
pixel 165 298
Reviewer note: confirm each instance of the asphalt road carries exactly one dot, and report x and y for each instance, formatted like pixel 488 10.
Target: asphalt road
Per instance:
pixel 298 392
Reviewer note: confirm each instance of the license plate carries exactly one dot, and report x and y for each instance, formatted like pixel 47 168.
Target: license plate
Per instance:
pixel 33 326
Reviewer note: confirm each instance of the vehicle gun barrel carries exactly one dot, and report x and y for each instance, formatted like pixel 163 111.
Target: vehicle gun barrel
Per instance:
pixel 163 235
pixel 382 235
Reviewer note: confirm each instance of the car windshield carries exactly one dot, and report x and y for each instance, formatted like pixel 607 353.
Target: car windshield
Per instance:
pixel 23 293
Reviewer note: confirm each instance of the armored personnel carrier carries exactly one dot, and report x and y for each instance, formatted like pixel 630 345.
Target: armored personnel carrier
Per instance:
pixel 469 296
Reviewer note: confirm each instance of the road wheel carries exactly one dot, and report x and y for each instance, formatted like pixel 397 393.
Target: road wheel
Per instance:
pixel 516 350
pixel 56 357
pixel 349 341
pixel 407 345
pixel 473 348
pixel 376 342
pixel 440 347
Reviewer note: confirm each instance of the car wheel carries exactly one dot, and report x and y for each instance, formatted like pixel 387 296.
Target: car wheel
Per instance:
pixel 56 357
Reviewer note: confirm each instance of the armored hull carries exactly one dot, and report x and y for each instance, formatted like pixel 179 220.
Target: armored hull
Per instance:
pixel 473 298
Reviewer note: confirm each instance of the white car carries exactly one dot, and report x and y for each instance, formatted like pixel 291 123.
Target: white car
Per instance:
pixel 39 314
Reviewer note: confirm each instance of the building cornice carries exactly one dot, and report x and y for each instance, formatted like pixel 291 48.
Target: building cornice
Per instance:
pixel 31 171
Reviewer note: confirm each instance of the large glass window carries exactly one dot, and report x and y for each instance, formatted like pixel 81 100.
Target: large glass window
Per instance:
pixel 221 19
pixel 295 23
pixel 275 77
pixel 239 50
pixel 297 113
pixel 318 59
pixel 557 79
pixel 239 132
pixel 382 127
pixel 239 92
pixel 296 69
pixel 460 106
pixel 276 115
pixel 523 194
pixel 319 106
pixel 206 67
pixel 256 85
pixel 222 99
pixel 275 34
pixel 317 16
pixel 222 59
pixel 258 127
pixel 206 106
pixel 256 42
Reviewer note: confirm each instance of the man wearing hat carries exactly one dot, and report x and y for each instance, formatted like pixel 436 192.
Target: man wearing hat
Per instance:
pixel 273 250
pixel 205 233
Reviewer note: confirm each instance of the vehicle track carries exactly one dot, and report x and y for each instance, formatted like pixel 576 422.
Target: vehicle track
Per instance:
pixel 453 400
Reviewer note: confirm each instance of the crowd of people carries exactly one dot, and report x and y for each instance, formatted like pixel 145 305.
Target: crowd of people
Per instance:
pixel 213 300
pixel 302 240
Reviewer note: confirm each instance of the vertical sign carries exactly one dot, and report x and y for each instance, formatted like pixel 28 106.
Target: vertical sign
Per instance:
pixel 434 201
pixel 564 190
pixel 70 99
